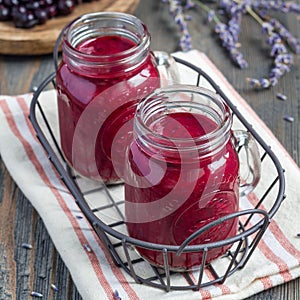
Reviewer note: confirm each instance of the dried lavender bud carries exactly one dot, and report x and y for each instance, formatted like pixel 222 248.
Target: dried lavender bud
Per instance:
pixel 292 41
pixel 210 15
pixel 273 81
pixel 253 82
pixel 267 28
pixel 54 287
pixel 288 118
pixel 264 83
pixel 88 248
pixel 189 4
pixel 36 294
pixel 116 295
pixel 284 58
pixel 273 38
pixel 27 246
pixel 259 83
pixel 278 48
pixel 281 96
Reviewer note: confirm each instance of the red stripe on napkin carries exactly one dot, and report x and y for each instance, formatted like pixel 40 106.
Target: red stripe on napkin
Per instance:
pixel 117 272
pixel 39 168
pixel 277 232
pixel 267 282
pixel 206 294
pixel 275 260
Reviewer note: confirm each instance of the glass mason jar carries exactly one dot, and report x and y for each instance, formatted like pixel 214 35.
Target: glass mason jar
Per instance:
pixel 182 173
pixel 107 67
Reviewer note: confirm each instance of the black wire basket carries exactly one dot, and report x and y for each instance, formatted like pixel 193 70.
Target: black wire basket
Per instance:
pixel 103 207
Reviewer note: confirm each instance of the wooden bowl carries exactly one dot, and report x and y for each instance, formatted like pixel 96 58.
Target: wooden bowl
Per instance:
pixel 41 38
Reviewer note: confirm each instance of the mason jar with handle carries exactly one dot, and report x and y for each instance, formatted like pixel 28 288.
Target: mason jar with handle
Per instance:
pixel 182 173
pixel 107 67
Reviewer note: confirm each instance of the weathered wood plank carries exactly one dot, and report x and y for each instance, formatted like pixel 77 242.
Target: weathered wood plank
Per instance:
pixel 26 270
pixel 7 216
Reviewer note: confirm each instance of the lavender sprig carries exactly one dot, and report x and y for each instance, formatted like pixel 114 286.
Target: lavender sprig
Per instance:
pixel 283 60
pixel 292 41
pixel 229 34
pixel 278 37
pixel 282 6
pixel 176 10
pixel 229 43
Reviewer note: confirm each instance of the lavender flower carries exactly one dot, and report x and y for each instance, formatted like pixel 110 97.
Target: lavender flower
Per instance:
pixel 36 294
pixel 259 83
pixel 176 10
pixel 210 15
pixel 54 287
pixel 26 246
pixel 189 4
pixel 116 295
pixel 292 41
pixel 283 6
pixel 288 118
pixel 282 59
pixel 87 247
pixel 281 96
pixel 228 37
pixel 228 29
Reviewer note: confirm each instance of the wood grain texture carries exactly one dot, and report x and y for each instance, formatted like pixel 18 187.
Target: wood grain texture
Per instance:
pixel 41 38
pixel 7 216
pixel 24 270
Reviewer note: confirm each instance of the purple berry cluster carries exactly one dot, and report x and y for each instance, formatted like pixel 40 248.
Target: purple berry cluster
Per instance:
pixel 28 13
pixel 280 40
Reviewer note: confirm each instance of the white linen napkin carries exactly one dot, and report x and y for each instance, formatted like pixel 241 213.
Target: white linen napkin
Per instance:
pixel 276 259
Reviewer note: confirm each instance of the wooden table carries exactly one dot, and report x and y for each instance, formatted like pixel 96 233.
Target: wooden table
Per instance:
pixel 24 271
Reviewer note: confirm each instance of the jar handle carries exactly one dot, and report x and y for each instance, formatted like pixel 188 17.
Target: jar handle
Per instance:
pixel 167 67
pixel 249 154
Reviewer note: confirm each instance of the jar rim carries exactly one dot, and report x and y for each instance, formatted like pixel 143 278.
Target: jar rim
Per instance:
pixel 143 43
pixel 211 140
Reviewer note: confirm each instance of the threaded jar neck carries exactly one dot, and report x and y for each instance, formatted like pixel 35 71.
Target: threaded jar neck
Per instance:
pixel 204 105
pixel 94 25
